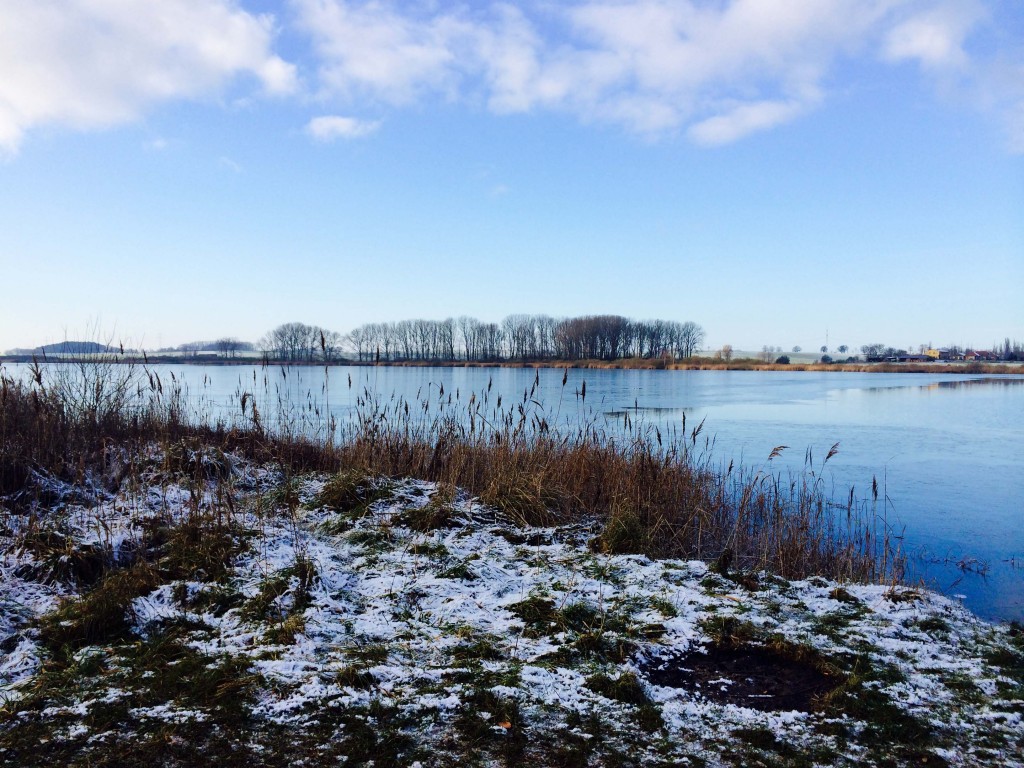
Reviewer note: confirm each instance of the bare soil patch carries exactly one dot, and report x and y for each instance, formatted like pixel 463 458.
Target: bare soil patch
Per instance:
pixel 747 676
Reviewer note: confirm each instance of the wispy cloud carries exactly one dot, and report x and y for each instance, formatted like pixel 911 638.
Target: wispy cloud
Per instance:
pixel 376 50
pixel 330 127
pixel 653 66
pixel 1000 91
pixel 989 75
pixel 934 36
pixel 87 64
pixel 744 119
pixel 712 71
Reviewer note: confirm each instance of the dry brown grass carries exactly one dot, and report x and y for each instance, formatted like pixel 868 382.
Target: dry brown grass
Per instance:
pixel 654 494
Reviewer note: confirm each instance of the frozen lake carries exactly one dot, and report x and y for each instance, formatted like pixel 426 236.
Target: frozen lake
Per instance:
pixel 947 450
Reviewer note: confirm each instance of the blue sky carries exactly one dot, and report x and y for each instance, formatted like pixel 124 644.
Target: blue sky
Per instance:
pixel 770 169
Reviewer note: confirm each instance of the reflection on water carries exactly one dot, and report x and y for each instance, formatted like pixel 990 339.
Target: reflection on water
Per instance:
pixel 950 468
pixel 649 410
pixel 988 382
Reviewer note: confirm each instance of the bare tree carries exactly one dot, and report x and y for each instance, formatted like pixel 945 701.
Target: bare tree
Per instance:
pixel 470 331
pixel 298 342
pixel 228 346
pixel 356 340
pixel 519 337
pixel 691 337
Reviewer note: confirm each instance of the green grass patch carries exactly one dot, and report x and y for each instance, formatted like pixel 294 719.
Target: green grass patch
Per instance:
pixel 665 607
pixel 109 692
pixel 932 625
pixel 625 688
pixel 281 601
pixel 59 558
pixel 353 491
pixel 439 512
pixel 432 549
pixel 101 615
pixel 538 614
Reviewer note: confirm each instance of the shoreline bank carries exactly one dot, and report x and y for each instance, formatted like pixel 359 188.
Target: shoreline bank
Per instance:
pixel 640 364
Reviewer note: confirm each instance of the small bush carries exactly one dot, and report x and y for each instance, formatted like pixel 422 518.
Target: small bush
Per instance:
pixel 625 533
pixel 352 491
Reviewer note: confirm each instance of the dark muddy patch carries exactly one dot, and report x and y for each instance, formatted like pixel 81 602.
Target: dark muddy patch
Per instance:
pixel 526 540
pixel 14 475
pixel 745 676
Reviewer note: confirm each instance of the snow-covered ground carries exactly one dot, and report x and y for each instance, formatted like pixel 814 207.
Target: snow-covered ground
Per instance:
pixel 422 627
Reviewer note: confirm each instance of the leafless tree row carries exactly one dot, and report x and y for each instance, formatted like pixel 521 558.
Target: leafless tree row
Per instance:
pixel 298 342
pixel 227 346
pixel 525 337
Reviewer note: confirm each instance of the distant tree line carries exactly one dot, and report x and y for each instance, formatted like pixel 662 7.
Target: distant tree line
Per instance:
pixel 525 337
pixel 227 346
pixel 517 337
pixel 1011 350
pixel 298 342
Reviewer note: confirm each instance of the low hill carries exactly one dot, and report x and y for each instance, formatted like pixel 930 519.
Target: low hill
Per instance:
pixel 65 348
pixel 73 348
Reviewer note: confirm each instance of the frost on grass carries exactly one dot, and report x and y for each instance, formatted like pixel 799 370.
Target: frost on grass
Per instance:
pixel 254 619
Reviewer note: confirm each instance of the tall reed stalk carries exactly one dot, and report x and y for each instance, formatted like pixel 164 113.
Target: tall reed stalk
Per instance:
pixel 653 492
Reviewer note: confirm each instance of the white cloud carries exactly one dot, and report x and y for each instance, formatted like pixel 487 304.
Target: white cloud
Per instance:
pixel 371 49
pixel 331 127
pixel 999 88
pixel 934 36
pixel 96 63
pixel 984 72
pixel 744 119
pixel 653 66
pixel 715 71
pixel 725 69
